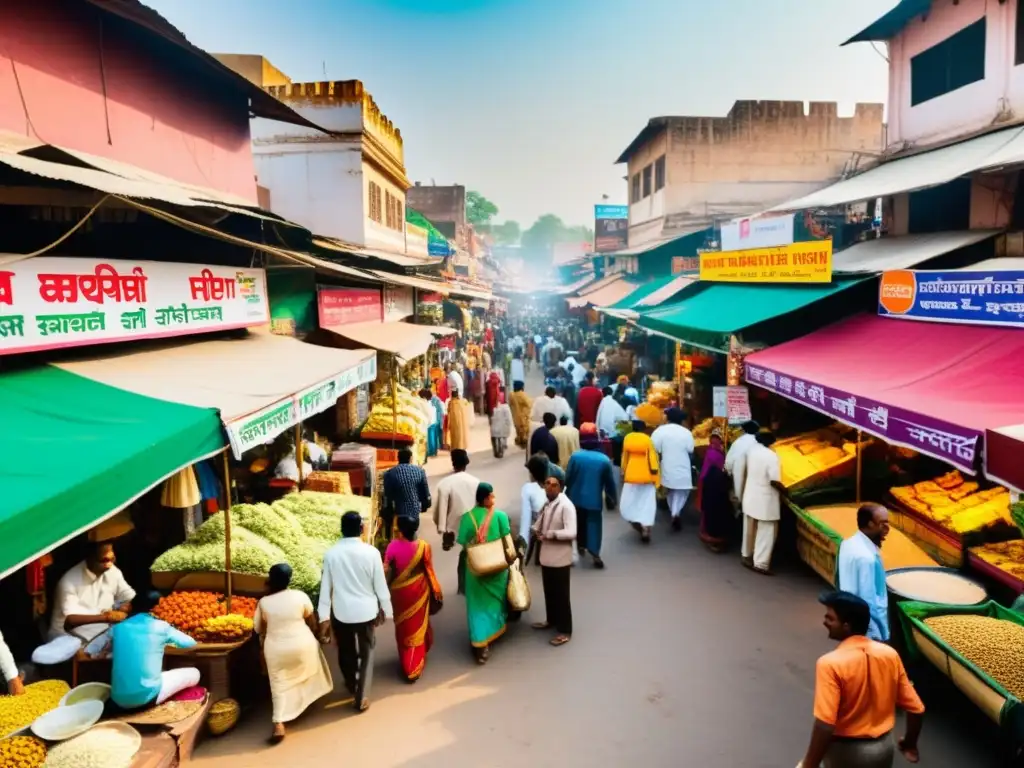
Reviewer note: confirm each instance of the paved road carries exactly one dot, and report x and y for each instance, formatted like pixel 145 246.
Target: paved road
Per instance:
pixel 680 658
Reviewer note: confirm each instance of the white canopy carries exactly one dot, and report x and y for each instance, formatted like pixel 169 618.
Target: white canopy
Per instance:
pixel 404 340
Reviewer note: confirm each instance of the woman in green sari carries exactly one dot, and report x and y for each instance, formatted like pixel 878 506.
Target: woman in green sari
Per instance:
pixel 486 606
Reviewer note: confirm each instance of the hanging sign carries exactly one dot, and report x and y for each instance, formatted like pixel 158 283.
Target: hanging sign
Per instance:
pixel 764 232
pixel 732 403
pixel 969 297
pixel 57 301
pixel 398 302
pixel 338 306
pixel 809 262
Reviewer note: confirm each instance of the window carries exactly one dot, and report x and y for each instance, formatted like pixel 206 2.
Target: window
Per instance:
pixel 1019 50
pixel 957 61
pixel 376 212
pixel 659 173
pixel 647 181
pixel 389 210
pixel 399 215
pixel 634 189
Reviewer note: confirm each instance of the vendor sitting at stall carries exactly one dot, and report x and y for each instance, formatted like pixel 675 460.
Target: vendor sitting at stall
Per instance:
pixel 138 678
pixel 89 598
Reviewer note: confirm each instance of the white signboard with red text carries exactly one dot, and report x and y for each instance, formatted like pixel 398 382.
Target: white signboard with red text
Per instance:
pixel 52 302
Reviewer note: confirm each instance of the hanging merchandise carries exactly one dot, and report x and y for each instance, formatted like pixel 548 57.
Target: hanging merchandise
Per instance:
pixel 181 490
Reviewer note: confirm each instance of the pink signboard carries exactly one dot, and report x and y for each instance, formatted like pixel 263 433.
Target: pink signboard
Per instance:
pixel 339 306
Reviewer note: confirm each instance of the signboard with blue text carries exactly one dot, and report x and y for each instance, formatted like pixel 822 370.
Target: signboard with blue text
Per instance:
pixel 983 297
pixel 611 228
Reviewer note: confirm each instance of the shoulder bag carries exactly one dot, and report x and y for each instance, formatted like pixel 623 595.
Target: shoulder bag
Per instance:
pixel 518 591
pixel 486 558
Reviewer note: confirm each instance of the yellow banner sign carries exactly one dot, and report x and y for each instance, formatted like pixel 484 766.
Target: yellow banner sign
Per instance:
pixel 795 263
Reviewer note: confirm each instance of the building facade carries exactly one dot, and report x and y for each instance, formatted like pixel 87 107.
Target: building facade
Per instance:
pixel 351 184
pixel 445 206
pixel 686 173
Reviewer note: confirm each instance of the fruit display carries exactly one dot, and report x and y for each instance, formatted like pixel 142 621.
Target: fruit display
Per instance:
pixel 897 550
pixel 18 711
pixel 1007 556
pixel 995 646
pixel 807 456
pixel 22 752
pixel 662 394
pixel 403 416
pixel 650 414
pixel 189 611
pixel 297 529
pixel 955 504
pixel 229 628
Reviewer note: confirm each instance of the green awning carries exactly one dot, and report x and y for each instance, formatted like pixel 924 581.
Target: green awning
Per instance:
pixel 706 314
pixel 892 23
pixel 642 292
pixel 76 451
pixel 437 243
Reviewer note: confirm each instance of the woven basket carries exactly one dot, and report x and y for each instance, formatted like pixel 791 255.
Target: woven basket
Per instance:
pixel 223 716
pixel 328 482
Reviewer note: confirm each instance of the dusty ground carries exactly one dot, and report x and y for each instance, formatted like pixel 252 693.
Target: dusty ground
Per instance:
pixel 680 658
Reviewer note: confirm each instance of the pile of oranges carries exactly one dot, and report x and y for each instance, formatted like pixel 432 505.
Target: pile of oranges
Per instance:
pixel 188 610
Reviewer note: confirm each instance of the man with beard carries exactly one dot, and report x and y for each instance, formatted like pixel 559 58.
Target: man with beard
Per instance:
pixel 860 567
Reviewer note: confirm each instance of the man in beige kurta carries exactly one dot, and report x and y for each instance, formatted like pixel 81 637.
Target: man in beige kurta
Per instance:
pixel 458 423
pixel 520 404
pixel 568 439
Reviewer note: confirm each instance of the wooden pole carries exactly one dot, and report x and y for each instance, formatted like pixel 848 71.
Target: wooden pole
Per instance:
pixel 227 531
pixel 858 465
pixel 298 451
pixel 394 399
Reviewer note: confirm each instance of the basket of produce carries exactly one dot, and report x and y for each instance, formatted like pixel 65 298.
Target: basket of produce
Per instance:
pixel 821 529
pixel 107 745
pixel 980 648
pixel 816 457
pixel 328 482
pixel 22 752
pixel 223 716
pixel 193 612
pixel 17 712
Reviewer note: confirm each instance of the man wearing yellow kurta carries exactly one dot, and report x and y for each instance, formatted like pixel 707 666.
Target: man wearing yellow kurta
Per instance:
pixel 521 405
pixel 458 423
pixel 638 502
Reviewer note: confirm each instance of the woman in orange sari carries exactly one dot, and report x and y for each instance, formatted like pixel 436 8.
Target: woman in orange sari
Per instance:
pixel 415 595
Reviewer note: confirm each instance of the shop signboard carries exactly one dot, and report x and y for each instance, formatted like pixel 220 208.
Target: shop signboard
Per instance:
pixel 266 424
pixel 611 228
pixel 732 403
pixel 681 264
pixel 949 442
pixel 982 297
pixel 52 302
pixel 766 232
pixel 809 262
pixel 398 302
pixel 338 306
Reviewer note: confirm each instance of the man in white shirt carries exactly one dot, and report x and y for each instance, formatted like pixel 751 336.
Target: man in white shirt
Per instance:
pixel 517 371
pixel 354 600
pixel 762 493
pixel 735 459
pixel 9 670
pixel 609 414
pixel 674 444
pixel 456 495
pixel 455 383
pixel 87 595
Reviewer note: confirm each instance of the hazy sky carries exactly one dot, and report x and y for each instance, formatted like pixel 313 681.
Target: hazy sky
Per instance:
pixel 531 101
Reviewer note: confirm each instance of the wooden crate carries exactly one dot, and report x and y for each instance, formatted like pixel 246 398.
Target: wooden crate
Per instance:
pixel 981 694
pixel 816 549
pixel 328 482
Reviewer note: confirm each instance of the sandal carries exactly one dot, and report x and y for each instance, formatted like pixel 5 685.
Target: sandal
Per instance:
pixel 598 562
pixel 541 625
pixel 560 640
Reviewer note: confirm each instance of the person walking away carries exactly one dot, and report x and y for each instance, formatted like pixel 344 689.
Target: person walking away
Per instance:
pixel 458 423
pixel 674 444
pixel 860 567
pixel 456 495
pixel 406 490
pixel 735 459
pixel 713 497
pixel 287 628
pixel 455 382
pixel 857 688
pixel 137 644
pixel 570 390
pixel 435 415
pixel 486 596
pixel 354 601
pixel 567 437
pixel 415 595
pixel 762 495
pixel 640 474
pixel 521 406
pixel 543 440
pixel 556 529
pixel 609 415
pixel 516 369
pixel 532 498
pixel 589 477
pixel 588 401
pixel 495 392
pixel 501 426
pixel 545 404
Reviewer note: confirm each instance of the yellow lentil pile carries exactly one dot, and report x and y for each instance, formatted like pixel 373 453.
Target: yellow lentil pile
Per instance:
pixel 22 752
pixel 995 646
pixel 18 711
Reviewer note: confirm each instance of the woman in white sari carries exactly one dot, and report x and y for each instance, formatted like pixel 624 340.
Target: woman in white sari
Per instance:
pixel 298 671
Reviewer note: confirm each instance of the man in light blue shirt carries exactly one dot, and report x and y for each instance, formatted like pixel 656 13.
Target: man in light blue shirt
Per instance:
pixel 860 567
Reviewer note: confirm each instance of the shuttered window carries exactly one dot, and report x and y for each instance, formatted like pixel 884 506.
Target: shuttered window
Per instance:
pixel 957 61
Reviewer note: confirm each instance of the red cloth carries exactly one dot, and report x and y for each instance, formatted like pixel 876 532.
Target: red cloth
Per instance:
pixel 489 336
pixel 442 389
pixel 587 403
pixel 494 396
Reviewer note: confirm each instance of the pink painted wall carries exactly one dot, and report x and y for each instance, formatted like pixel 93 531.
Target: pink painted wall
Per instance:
pixel 160 119
pixel 997 98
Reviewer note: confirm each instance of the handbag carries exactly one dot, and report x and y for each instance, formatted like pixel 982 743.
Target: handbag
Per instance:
pixel 518 589
pixel 486 558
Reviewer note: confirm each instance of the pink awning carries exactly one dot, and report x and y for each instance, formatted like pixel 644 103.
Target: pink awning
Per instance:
pixel 931 387
pixel 1003 450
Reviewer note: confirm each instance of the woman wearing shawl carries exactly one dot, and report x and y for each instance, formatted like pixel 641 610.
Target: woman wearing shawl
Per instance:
pixel 521 406
pixel 494 393
pixel 713 497
pixel 486 600
pixel 458 422
pixel 415 594
pixel 640 475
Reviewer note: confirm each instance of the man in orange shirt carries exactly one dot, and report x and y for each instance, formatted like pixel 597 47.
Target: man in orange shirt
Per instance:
pixel 856 691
